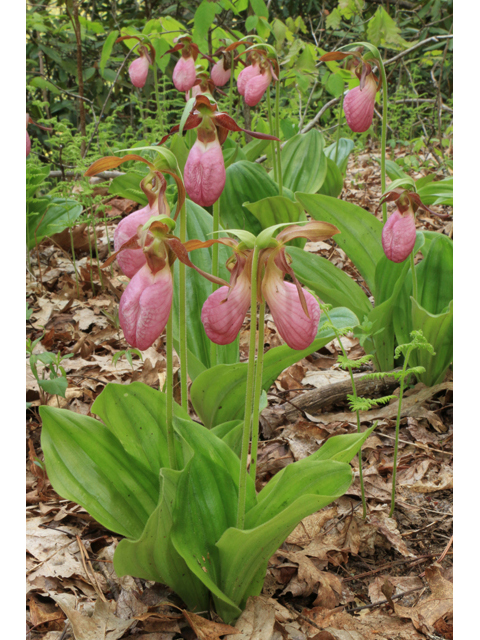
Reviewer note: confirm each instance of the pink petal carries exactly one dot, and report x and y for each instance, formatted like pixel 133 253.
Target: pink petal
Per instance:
pixel 398 236
pixel 256 87
pixel 131 260
pixel 245 75
pixel 138 71
pixel 145 306
pixel 29 144
pixel 292 323
pixel 223 320
pixel 204 173
pixel 219 75
pixel 359 105
pixel 184 74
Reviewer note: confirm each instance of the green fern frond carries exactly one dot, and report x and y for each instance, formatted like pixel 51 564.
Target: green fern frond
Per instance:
pixel 346 363
pixel 365 404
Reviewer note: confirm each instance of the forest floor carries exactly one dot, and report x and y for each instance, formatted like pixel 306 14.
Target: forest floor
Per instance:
pixel 338 576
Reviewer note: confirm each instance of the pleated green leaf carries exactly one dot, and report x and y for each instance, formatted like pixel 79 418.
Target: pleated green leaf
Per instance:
pixel 361 232
pixel 136 414
pixel 304 165
pixel 328 282
pixel 153 556
pixel 218 394
pixel 333 184
pixel 87 464
pixel 246 182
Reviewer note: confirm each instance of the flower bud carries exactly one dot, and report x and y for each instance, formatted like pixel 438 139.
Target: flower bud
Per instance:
pixel 245 75
pixel 138 71
pixel 204 173
pixel 359 104
pixel 145 306
pixel 219 74
pixel 398 235
pixel 256 87
pixel 184 74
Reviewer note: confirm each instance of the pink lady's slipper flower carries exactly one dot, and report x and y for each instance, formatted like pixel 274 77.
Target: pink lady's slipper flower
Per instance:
pixel 138 70
pixel 204 172
pixel 359 102
pixel 253 81
pixel 184 73
pixel 203 85
pixel 295 311
pixel 222 70
pixel 399 232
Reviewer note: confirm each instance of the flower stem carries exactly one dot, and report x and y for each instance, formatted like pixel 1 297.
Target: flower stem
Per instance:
pixel 258 391
pixel 414 276
pixel 384 137
pixel 339 128
pixel 183 313
pixel 169 395
pixel 242 484
pixel 230 89
pixel 157 99
pixel 74 263
pixel 272 133
pixel 354 389
pixel 216 226
pixel 397 432
pixel 277 133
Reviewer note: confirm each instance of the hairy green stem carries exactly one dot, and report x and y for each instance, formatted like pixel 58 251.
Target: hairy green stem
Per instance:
pixel 183 314
pixel 414 276
pixel 242 485
pixel 169 395
pixel 96 254
pixel 277 133
pixel 258 391
pixel 91 255
pixel 354 389
pixel 230 90
pixel 339 128
pixel 216 227
pixel 397 432
pixel 272 133
pixel 384 138
pixel 157 99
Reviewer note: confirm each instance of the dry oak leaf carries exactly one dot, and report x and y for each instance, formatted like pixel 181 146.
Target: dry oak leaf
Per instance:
pixel 401 584
pixel 257 622
pixel 207 629
pixel 436 606
pixel 101 625
pixel 310 579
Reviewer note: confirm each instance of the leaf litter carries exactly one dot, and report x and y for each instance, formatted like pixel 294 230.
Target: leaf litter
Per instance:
pixel 337 576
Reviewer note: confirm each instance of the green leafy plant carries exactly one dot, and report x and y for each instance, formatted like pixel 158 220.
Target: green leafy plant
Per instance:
pixel 56 383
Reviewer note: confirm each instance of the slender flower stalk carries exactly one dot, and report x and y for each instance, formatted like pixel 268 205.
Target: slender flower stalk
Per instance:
pixel 339 128
pixel 183 314
pixel 277 133
pixel 258 391
pixel 383 163
pixel 272 132
pixel 215 247
pixel 242 485
pixel 169 396
pixel 397 430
